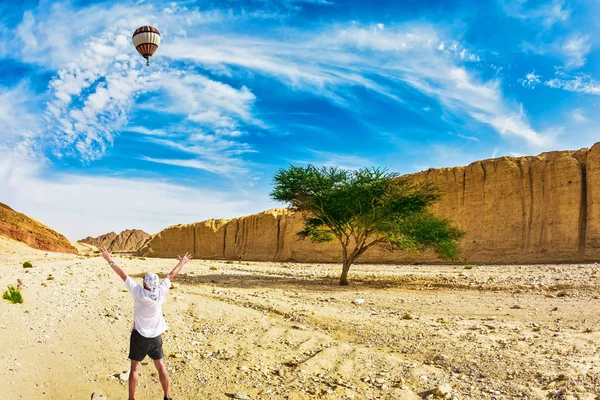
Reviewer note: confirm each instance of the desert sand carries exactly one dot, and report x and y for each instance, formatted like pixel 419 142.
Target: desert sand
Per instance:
pixel 288 331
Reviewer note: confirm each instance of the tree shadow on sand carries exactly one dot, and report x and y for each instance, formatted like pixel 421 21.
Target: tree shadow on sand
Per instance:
pixel 294 282
pixel 319 284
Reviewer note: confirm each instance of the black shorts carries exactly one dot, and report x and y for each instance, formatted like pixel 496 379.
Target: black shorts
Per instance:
pixel 140 347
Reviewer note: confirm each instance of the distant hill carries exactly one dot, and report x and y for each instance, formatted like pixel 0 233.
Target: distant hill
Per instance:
pixel 128 241
pixel 34 234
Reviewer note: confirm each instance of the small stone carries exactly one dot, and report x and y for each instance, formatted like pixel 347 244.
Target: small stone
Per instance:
pixel 562 293
pixel 299 327
pixel 124 376
pixel 380 381
pixel 96 396
pixel 243 368
pixel 442 391
pixel 517 307
pixel 358 301
pixel 241 396
pixel 408 316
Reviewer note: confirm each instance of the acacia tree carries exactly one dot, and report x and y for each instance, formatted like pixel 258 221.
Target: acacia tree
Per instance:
pixel 365 208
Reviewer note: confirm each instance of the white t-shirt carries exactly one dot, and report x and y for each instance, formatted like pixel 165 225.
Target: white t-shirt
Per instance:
pixel 148 319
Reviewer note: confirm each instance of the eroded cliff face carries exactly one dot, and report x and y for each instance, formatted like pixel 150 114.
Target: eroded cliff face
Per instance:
pixel 536 209
pixel 34 234
pixel 128 241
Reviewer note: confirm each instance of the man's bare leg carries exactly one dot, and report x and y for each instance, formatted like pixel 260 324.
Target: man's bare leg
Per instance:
pixel 163 375
pixel 133 377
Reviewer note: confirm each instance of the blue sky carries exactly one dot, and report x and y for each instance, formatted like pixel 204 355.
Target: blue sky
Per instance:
pixel 92 140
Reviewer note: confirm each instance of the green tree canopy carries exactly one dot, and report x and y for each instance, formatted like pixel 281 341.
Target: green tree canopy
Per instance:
pixel 365 208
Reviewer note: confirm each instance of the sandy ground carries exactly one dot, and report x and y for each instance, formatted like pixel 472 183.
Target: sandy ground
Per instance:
pixel 287 331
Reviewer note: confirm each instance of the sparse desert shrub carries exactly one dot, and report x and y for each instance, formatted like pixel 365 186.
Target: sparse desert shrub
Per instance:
pixel 27 264
pixel 229 262
pixel 13 295
pixel 213 268
pixel 469 266
pixel 50 277
pixel 142 258
pixel 131 257
pixel 96 251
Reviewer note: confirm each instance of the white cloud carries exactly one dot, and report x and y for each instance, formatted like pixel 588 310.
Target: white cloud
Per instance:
pixel 345 161
pixel 18 118
pixel 578 116
pixel 222 168
pixel 572 51
pixel 84 205
pixel 575 50
pixel 547 14
pixel 580 83
pixel 531 80
pixel 466 137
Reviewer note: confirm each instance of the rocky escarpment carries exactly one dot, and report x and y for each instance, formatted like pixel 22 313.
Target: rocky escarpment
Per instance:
pixel 34 234
pixel 537 209
pixel 128 241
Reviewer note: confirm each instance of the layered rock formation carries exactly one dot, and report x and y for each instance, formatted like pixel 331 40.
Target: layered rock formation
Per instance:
pixel 34 234
pixel 128 241
pixel 539 209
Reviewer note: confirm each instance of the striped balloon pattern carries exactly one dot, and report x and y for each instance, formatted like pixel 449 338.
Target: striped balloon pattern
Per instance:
pixel 146 40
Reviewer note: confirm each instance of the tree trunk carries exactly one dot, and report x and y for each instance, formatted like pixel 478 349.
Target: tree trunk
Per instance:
pixel 345 268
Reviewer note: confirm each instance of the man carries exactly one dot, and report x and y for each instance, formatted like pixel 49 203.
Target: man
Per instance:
pixel 148 321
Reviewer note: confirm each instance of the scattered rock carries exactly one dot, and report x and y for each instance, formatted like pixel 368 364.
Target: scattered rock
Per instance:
pixel 241 396
pixel 96 396
pixel 517 307
pixel 124 376
pixel 243 368
pixel 299 327
pixel 359 301
pixel 408 316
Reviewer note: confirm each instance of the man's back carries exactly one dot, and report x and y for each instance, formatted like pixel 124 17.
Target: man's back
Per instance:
pixel 148 319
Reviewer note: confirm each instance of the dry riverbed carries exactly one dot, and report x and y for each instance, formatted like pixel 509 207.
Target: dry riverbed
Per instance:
pixel 288 331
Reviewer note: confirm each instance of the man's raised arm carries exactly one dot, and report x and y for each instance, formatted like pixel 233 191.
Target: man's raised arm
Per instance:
pixel 107 256
pixel 182 261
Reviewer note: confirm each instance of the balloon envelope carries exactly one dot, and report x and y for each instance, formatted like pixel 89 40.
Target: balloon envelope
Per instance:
pixel 146 40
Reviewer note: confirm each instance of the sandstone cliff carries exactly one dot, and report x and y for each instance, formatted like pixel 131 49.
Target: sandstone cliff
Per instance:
pixel 534 209
pixel 34 234
pixel 128 241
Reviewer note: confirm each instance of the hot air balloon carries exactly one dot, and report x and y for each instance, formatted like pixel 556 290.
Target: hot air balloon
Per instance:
pixel 146 40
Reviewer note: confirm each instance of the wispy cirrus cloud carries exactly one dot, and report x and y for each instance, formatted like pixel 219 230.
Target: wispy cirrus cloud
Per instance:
pixel 575 50
pixel 352 56
pixel 547 14
pixel 572 51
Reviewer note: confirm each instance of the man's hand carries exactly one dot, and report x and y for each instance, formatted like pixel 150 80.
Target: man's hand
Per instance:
pixel 187 257
pixel 182 261
pixel 106 255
